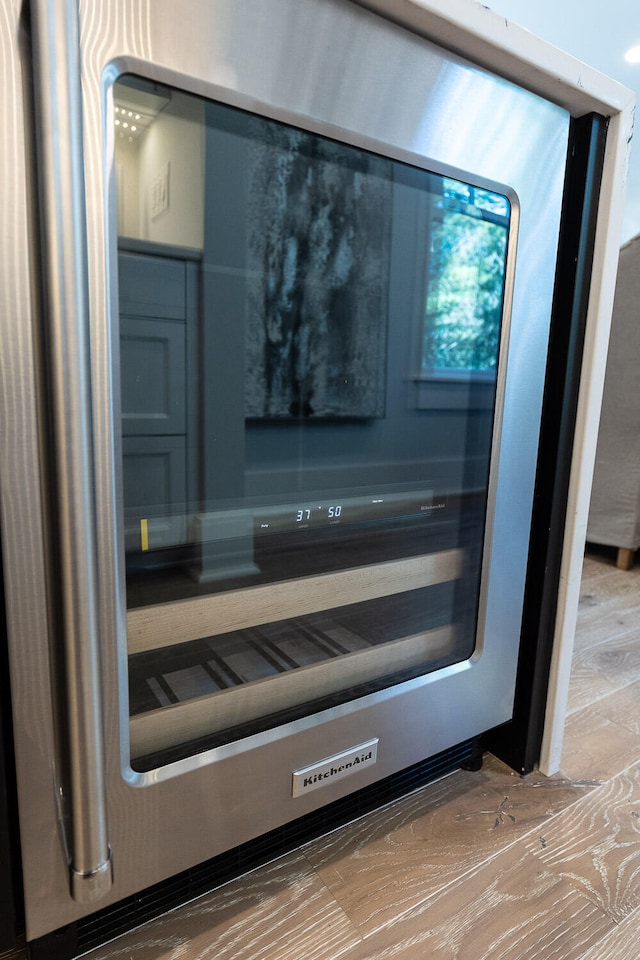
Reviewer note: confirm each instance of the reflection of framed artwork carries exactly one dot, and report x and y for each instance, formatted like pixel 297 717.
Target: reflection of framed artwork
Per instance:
pixel 319 237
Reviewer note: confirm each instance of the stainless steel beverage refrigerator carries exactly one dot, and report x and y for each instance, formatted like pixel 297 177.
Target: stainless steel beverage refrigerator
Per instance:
pixel 303 315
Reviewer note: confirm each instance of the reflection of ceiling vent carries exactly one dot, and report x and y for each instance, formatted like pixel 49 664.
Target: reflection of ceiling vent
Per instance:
pixel 136 107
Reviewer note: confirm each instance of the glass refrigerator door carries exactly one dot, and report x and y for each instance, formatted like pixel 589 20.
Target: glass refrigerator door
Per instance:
pixel 310 333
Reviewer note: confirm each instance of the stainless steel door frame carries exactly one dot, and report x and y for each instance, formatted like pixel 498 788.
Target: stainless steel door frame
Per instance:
pixel 341 66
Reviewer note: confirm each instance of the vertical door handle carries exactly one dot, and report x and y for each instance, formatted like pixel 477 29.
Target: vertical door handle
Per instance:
pixel 57 87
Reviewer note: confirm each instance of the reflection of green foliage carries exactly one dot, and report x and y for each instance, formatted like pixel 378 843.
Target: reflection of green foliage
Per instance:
pixel 464 299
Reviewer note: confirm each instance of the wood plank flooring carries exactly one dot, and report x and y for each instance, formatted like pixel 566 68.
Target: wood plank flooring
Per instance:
pixel 478 866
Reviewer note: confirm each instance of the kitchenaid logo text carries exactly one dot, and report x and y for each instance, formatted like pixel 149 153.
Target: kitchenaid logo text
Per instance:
pixel 335 768
pixel 334 771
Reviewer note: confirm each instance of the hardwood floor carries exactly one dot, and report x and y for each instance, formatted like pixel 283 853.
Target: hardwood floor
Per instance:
pixel 477 866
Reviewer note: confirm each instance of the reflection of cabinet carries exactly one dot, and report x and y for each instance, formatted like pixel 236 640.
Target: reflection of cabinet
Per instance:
pixel 158 355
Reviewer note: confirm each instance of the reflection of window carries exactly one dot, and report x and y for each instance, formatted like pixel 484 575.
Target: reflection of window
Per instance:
pixel 465 280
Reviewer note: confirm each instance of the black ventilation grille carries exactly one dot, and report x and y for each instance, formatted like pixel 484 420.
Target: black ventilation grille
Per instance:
pixel 105 925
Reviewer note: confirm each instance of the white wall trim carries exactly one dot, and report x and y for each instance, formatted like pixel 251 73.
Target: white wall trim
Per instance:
pixel 586 431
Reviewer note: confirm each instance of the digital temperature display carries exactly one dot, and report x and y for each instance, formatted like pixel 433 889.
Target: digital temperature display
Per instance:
pixel 318 513
pixel 328 513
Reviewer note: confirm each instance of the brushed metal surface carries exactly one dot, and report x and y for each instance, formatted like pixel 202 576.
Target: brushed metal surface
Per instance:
pixel 59 129
pixel 335 66
pixel 22 487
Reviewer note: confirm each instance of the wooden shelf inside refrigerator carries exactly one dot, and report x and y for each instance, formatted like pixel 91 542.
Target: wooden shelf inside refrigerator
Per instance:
pixel 248 654
pixel 161 625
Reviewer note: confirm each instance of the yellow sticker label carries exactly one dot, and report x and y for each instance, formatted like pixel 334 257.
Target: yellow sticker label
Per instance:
pixel 144 534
